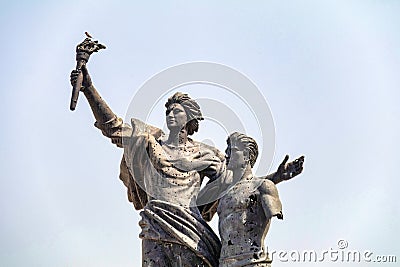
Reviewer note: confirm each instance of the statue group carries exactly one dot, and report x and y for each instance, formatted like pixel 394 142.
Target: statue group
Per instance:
pixel 164 172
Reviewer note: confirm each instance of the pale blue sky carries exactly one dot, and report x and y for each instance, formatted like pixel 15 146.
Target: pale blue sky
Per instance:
pixel 328 69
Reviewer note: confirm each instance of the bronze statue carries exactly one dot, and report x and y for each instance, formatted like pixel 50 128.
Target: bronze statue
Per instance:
pixel 163 174
pixel 245 211
pixel 173 231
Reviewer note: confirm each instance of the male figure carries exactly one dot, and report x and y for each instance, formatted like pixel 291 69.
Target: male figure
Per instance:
pixel 246 209
pixel 173 231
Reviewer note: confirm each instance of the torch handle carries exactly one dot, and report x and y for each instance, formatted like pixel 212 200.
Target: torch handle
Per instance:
pixel 78 84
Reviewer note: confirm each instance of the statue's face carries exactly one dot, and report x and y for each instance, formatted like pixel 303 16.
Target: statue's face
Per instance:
pixel 176 117
pixel 235 155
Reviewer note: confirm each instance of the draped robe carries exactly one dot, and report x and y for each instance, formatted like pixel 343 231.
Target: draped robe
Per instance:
pixel 166 193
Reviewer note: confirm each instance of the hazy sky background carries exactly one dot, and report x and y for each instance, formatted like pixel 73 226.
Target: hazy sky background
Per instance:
pixel 328 69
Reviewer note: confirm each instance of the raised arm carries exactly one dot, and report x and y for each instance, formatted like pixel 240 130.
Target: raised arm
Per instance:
pixel 110 125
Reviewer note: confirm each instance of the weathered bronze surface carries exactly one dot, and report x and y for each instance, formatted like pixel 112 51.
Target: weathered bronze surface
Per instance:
pixel 245 211
pixel 163 173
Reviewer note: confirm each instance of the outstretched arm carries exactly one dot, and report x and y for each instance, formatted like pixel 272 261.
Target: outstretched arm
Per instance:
pixel 286 171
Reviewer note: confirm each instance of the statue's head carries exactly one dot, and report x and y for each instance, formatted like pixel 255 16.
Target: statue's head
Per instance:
pixel 183 112
pixel 241 150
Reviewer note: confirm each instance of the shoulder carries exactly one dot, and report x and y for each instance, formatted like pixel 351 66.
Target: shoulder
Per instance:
pixel 141 128
pixel 209 150
pixel 266 186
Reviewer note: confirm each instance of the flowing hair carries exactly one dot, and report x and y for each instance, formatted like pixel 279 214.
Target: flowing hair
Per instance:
pixel 192 110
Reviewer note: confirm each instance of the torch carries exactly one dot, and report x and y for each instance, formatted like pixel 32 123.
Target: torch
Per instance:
pixel 83 52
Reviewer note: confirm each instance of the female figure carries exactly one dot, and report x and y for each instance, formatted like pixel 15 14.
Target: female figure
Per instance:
pixel 173 231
